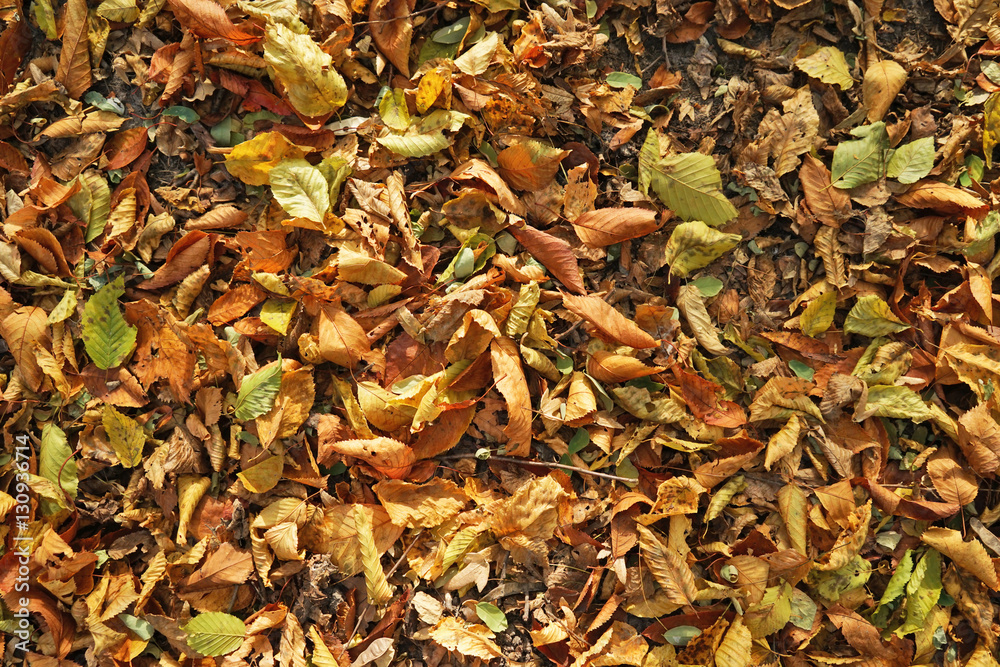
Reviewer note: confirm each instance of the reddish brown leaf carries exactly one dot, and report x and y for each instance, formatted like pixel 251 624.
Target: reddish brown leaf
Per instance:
pixel 607 226
pixel 553 253
pixel 392 30
pixel 207 19
pixel 608 321
pixel 74 58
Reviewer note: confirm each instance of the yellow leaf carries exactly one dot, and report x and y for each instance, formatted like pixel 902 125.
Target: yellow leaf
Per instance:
pixel 668 567
pixel 794 507
pixel 694 245
pixel 882 83
pixel 991 127
pixel 263 476
pixel 783 442
pixel 474 641
pixel 513 386
pixel 677 495
pixel 818 314
pixel 301 190
pixel 356 267
pixel 126 436
pixel 252 161
pixel 692 305
pixel 305 71
pixel 734 651
pixel 431 85
pixel 849 542
pixel 425 505
pixel 828 65
pixel 190 489
pixel 284 541
pixel 379 591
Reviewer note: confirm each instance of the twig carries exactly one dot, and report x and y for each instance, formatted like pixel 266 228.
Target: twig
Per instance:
pixel 546 464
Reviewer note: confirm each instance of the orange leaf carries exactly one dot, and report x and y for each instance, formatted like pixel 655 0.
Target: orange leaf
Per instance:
pixel 554 254
pixel 529 164
pixel 701 397
pixel 74 59
pixel 512 384
pixel 607 367
pixel 390 457
pixel 392 30
pixel 607 226
pixel 208 19
pixel 608 321
pixel 830 205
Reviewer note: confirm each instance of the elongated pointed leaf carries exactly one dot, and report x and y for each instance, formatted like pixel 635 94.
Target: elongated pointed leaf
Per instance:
pixel 257 392
pixel 107 337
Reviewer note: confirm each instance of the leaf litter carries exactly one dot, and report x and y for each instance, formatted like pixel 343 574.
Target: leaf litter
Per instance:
pixel 599 333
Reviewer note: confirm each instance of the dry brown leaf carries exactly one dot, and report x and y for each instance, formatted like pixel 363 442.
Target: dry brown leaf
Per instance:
pixel 341 338
pixel 883 81
pixel 511 384
pixel 390 457
pixel 613 368
pixel 971 556
pixel 953 482
pixel 421 505
pixel 942 198
pixel 553 253
pixel 692 305
pixel 392 30
pixel 830 205
pixel 474 641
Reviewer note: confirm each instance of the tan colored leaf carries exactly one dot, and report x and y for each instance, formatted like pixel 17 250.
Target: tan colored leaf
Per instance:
pixel 425 505
pixel 392 29
pixel 513 386
pixel 692 305
pixel 979 439
pixel 953 482
pixel 473 641
pixel 22 329
pixel 379 591
pixel 264 475
pixel 677 495
pixel 849 542
pixel 971 556
pixel 882 83
pixel 390 457
pixel 828 247
pixel 608 321
pixel 668 567
pixel 794 507
pixel 942 198
pixel 341 338
pixel 734 651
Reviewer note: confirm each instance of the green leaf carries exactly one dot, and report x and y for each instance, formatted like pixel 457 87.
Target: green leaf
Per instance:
pixel 872 317
pixel 860 161
pixel 415 145
pixel 681 635
pixel 690 184
pixel 624 79
pixel 107 337
pixel 453 33
pixel 800 369
pixel 804 610
pixel 92 204
pixel 897 403
pixel 126 436
pixel 301 189
pixel 394 111
pixel 649 154
pixel 55 460
pixel 257 392
pixel 694 245
pixel 922 592
pixel 118 11
pixel 894 589
pixel 911 162
pixel 214 633
pixel 491 615
pixel 141 627
pixel 709 286
pixel 186 114
pixel 829 65
pixel 579 440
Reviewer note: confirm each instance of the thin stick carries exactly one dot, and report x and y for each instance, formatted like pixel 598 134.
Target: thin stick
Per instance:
pixel 546 464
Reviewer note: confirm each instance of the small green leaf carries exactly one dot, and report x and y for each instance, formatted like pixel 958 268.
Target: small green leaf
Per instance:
pixel 681 635
pixel 142 628
pixel 453 33
pixel 394 111
pixel 709 286
pixel 257 392
pixel 107 337
pixel 801 369
pixel 215 633
pixel 579 440
pixel 911 162
pixel 188 115
pixel 623 80
pixel 55 460
pixel 491 615
pixel 695 245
